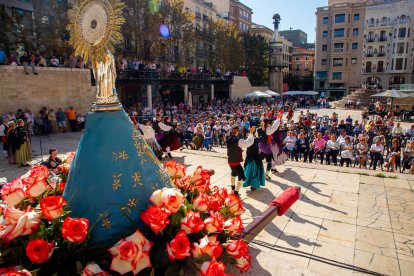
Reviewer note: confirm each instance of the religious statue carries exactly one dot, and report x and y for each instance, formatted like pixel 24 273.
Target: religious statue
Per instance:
pixel 276 21
pixel 94 29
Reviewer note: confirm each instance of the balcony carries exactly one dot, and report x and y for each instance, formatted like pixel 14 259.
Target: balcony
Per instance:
pixel 382 39
pixel 381 54
pixel 205 17
pixel 369 55
pixel 338 50
pixel 198 15
pixel 370 39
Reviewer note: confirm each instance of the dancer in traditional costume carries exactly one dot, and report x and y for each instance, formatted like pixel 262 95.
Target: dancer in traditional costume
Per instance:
pixel 265 134
pixel 165 134
pixel 149 136
pixel 235 156
pixel 279 156
pixel 253 167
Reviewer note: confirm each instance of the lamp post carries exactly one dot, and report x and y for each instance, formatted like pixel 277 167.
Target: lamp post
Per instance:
pixel 276 64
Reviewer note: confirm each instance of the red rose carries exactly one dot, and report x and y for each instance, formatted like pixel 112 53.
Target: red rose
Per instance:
pixel 192 223
pixel 237 248
pixel 183 183
pixel 62 186
pixel 179 247
pixel 214 223
pixel 195 250
pixel 234 226
pixel 215 205
pixel 210 246
pixel 219 194
pixel 13 193
pixel 234 204
pixel 39 172
pixel 131 254
pixel 213 268
pixel 14 271
pixel 175 169
pixel 201 180
pixel 35 186
pixel 64 168
pixel 244 263
pixel 52 206
pixel 156 218
pixel 201 202
pixel 39 251
pixel 69 158
pixel 75 229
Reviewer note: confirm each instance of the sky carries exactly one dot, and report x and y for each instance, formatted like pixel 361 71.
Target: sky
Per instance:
pixel 295 14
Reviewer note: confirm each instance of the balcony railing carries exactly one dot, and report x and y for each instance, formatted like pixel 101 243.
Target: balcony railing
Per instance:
pixel 370 39
pixel 382 39
pixel 156 75
pixel 205 17
pixel 369 55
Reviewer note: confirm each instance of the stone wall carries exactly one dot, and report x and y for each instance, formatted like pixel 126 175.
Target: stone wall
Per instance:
pixel 242 86
pixel 53 88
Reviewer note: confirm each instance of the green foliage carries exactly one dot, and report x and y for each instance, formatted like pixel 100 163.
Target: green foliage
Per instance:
pixel 297 83
pixel 380 175
pixel 256 52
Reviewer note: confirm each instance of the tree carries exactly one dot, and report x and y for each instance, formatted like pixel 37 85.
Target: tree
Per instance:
pixel 256 63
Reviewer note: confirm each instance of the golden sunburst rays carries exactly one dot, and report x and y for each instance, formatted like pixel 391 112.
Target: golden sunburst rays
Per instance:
pixel 110 36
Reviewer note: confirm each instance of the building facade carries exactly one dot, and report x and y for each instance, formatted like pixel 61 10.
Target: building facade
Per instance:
pixel 261 30
pixel 387 59
pixel 298 37
pixel 302 62
pixel 241 15
pixel 339 46
pixel 287 48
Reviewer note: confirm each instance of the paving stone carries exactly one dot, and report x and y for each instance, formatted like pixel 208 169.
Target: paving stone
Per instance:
pixel 375 241
pixel 377 263
pixel 338 233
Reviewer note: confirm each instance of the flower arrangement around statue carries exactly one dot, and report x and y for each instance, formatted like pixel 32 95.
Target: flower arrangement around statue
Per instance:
pixel 190 227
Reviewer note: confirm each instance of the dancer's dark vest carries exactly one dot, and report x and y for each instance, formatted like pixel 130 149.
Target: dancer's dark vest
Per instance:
pixel 234 152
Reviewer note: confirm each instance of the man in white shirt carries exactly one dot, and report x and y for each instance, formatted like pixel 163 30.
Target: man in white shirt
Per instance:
pixel 377 151
pixel 397 130
pixel 409 132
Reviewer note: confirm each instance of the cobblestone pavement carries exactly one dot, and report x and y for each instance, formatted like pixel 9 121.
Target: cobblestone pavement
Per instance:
pixel 342 219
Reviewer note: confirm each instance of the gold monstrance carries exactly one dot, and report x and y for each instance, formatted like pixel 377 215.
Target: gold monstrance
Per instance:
pixel 94 27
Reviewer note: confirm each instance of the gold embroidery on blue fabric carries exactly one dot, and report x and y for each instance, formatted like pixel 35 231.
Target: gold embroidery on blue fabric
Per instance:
pixel 137 180
pixel 132 202
pixel 106 223
pixel 117 182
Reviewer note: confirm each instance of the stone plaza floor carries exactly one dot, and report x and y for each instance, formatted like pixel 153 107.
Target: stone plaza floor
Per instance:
pixel 345 220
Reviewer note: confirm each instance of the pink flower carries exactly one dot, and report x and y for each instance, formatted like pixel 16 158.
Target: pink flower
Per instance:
pixel 244 263
pixel 237 248
pixel 234 226
pixel 179 247
pixel 13 193
pixel 93 269
pixel 192 223
pixel 201 202
pixel 210 246
pixel 214 223
pixel 131 254
pixel 175 169
pixel 36 183
pixel 195 250
pixel 26 223
pixel 234 204
pixel 170 199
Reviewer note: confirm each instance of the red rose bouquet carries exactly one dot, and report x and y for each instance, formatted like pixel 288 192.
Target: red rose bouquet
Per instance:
pixel 190 228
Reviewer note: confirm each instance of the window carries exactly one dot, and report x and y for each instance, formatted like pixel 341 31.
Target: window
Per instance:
pixel 325 33
pixel 321 84
pixel 354 60
pixel 400 48
pixel 368 67
pixel 354 45
pixel 399 64
pixel 340 18
pixel 336 75
pixel 339 32
pixel 297 58
pixel 355 31
pixel 356 17
pixel 325 20
pixel 401 32
pixel 323 61
pixel 384 21
pixel 383 36
pixel 338 47
pixel 337 61
pixel 324 47
pixel 380 67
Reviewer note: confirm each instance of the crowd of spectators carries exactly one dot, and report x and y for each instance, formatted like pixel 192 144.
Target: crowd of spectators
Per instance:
pixel 372 143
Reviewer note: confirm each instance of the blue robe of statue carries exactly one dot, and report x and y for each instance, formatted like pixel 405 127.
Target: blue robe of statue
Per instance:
pixel 112 177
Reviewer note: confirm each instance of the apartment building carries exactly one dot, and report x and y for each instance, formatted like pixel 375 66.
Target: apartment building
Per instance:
pixel 387 59
pixel 339 46
pixel 302 62
pixel 298 37
pixel 261 30
pixel 241 15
